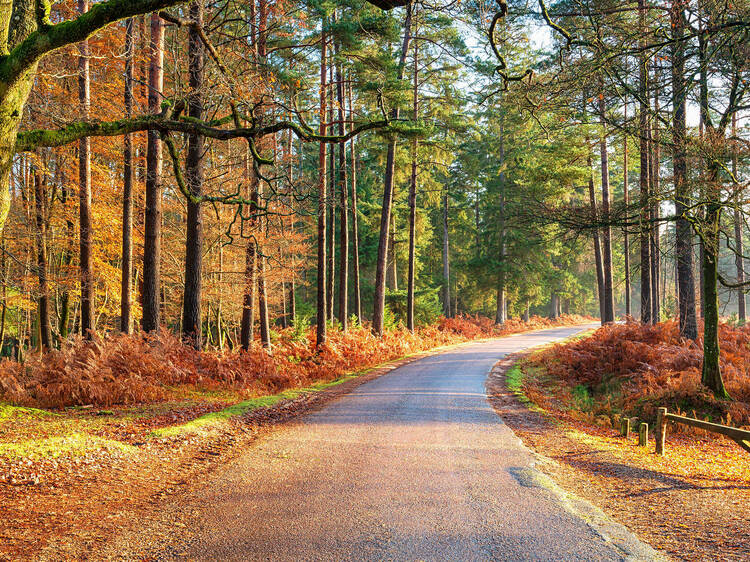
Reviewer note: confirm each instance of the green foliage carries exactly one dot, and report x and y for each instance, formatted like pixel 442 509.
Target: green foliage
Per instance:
pixel 302 321
pixel 427 307
pixel 582 397
pixel 390 321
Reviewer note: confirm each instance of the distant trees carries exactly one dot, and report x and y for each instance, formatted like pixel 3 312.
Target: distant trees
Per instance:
pixel 606 40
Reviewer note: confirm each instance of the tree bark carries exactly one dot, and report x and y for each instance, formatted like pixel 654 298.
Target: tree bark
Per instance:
pixel 191 302
pixel 322 199
pixel 265 329
pixel 597 241
pixel 410 281
pixel 645 229
pixel 385 216
pixel 608 308
pixel 150 294
pixel 343 210
pixel 625 234
pixel 655 159
pixel 738 245
pixel 84 174
pixel 501 305
pixel 248 299
pixel 683 231
pixel 446 261
pixel 355 217
pixel 331 224
pixel 711 226
pixel 127 187
pixel 392 264
pixel 41 263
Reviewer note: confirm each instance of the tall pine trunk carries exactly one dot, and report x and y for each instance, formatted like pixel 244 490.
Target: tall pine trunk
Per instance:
pixel 191 302
pixel 683 231
pixel 331 198
pixel 127 187
pixel 322 199
pixel 626 202
pixel 501 304
pixel 711 230
pixel 343 208
pixel 41 263
pixel 446 261
pixel 410 280
pixel 738 257
pixel 644 202
pixel 385 216
pixel 265 329
pixel 355 217
pixel 655 160
pixel 608 308
pixel 597 240
pixel 150 294
pixel 84 176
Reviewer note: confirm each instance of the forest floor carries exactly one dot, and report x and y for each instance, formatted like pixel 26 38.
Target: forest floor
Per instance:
pixel 691 504
pixel 70 477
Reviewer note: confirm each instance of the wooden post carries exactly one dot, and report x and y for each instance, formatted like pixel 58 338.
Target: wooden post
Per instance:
pixel 643 434
pixel 625 428
pixel 661 430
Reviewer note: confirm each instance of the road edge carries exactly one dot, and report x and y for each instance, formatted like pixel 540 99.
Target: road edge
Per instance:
pixel 614 533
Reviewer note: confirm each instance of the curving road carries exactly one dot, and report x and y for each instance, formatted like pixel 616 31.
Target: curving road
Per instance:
pixel 414 465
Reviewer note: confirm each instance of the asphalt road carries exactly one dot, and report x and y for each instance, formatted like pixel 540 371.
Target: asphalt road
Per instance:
pixel 414 465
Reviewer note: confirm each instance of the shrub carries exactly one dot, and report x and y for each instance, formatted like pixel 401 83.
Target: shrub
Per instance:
pixel 131 369
pixel 635 368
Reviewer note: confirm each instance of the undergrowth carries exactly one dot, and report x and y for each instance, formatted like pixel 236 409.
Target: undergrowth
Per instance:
pixel 632 369
pixel 135 369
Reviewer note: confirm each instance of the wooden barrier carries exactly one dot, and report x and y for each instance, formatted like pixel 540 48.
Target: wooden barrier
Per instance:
pixel 643 435
pixel 741 436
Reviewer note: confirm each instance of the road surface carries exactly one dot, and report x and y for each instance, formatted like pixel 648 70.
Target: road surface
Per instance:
pixel 414 465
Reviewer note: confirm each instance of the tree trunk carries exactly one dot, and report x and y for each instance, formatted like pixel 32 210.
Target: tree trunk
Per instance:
pixel 322 203
pixel 265 329
pixel 127 187
pixel 608 308
pixel 385 216
pixel 711 229
pixel 343 210
pixel 331 234
pixel 597 241
pixel 446 261
pixel 554 306
pixel 84 172
pixel 738 259
pixel 625 233
pixel 655 159
pixel 150 295
pixel 393 265
pixel 63 321
pixel 683 231
pixel 645 206
pixel 41 262
pixel 501 305
pixel 711 376
pixel 248 300
pixel 355 218
pixel 191 302
pixel 413 199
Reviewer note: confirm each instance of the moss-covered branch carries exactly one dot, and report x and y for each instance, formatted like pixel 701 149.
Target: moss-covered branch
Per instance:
pixel 50 37
pixel 30 140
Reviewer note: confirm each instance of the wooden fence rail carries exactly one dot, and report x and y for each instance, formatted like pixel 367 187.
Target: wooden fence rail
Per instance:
pixel 741 436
